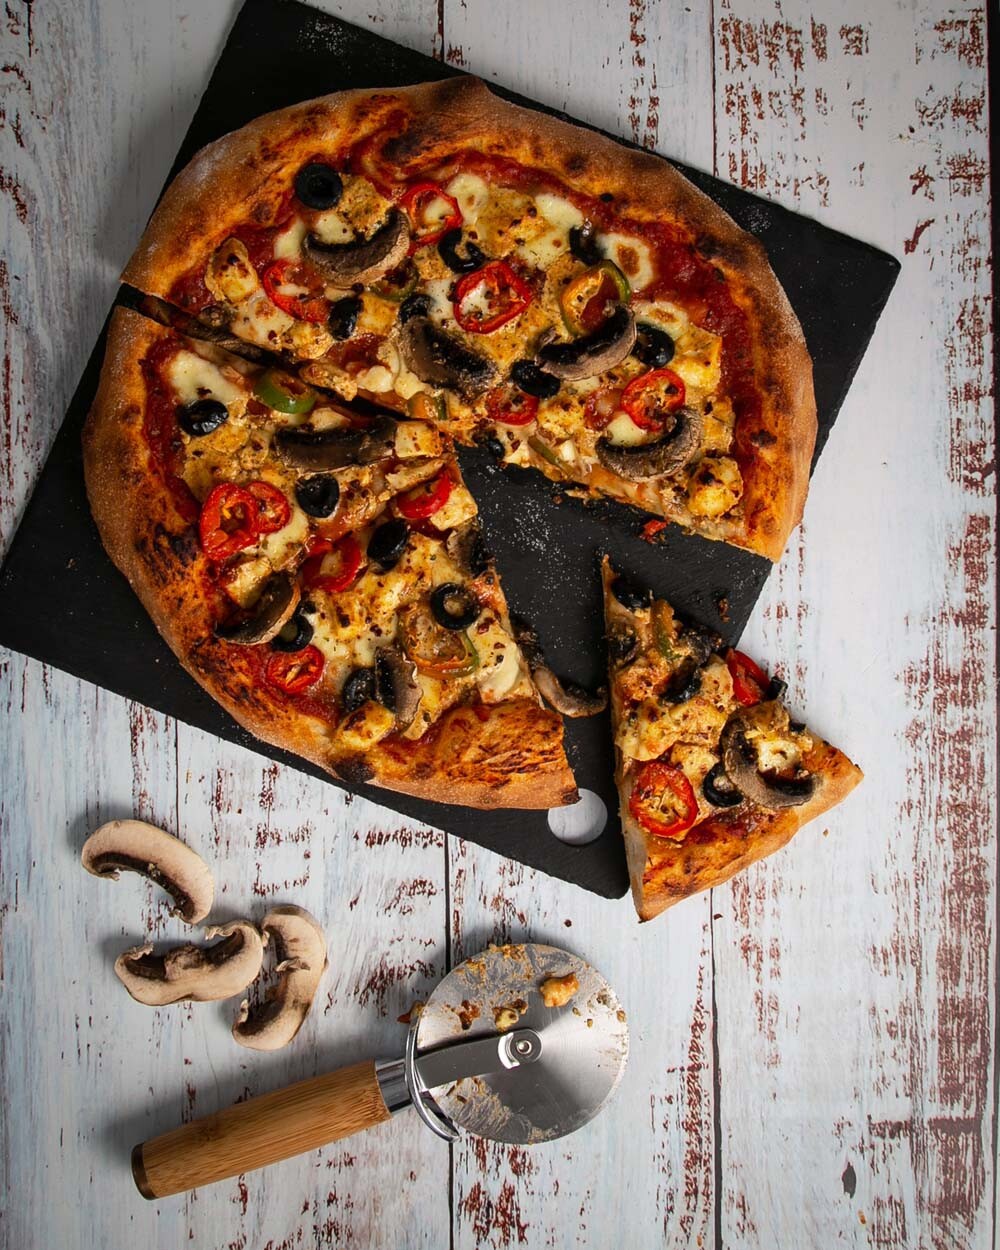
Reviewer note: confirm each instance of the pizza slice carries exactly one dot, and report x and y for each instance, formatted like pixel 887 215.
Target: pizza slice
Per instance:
pixel 712 771
pixel 319 570
pixel 509 277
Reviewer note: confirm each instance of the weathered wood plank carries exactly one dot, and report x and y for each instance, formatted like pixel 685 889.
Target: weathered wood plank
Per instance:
pixel 855 971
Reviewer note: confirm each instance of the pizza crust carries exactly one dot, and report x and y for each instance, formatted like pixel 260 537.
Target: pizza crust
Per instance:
pixel 243 177
pixel 467 759
pixel 662 872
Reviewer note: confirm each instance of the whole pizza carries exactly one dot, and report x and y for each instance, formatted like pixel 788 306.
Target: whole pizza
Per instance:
pixel 335 297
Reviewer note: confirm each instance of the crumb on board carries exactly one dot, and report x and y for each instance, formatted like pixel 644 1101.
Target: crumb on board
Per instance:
pixel 416 1008
pixel 557 991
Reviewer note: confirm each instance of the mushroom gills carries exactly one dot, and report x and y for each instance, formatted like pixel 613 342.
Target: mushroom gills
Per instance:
pixel 134 846
pixel 314 451
pixel 567 697
pixel 441 360
pixel 740 761
pixel 300 950
pixel 594 353
pixel 193 973
pixel 275 607
pixel 364 260
pixel 662 457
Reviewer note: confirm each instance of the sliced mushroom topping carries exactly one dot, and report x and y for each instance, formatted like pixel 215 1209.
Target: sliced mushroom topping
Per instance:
pixel 436 357
pixel 273 610
pixel 315 451
pixel 396 685
pixel 467 547
pixel 133 846
pixel 363 261
pixel 567 697
pixel 193 973
pixel 300 952
pixel 740 761
pixel 594 353
pixel 661 458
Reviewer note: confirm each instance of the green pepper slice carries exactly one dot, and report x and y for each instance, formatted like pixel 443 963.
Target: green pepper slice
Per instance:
pixel 396 285
pixel 584 301
pixel 284 393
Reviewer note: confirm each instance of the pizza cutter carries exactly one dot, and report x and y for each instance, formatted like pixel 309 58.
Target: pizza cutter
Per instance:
pixel 485 1055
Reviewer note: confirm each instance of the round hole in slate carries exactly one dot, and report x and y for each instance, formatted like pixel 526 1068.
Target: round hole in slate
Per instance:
pixel 581 822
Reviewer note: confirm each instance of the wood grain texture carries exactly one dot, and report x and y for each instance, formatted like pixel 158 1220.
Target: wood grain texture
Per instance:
pixel 260 1131
pixel 812 1046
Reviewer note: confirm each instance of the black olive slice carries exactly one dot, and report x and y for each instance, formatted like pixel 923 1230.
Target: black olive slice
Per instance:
pixel 583 244
pixel 343 318
pixel 629 595
pixel 622 646
pixel 719 790
pixel 796 726
pixel 202 417
pixel 448 250
pixel 414 306
pixel 387 544
pixel 528 377
pixel 653 346
pixel 454 607
pixel 683 686
pixel 294 635
pixel 775 690
pixel 318 186
pixel 358 688
pixel 318 495
pixel 494 447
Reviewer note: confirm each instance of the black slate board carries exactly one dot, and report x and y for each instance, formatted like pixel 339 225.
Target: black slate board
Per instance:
pixel 277 54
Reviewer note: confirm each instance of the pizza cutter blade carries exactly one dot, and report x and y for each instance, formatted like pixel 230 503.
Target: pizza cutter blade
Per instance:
pixel 484 1056
pixel 582 1047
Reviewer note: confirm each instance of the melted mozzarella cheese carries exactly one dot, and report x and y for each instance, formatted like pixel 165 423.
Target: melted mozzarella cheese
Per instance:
pixel 632 255
pixel 560 213
pixel 471 193
pixel 501 665
pixel 288 244
pixel 330 227
pixel 192 377
pixel 622 431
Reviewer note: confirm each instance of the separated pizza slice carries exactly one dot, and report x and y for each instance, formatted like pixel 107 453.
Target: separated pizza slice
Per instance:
pixel 505 276
pixel 712 771
pixel 318 570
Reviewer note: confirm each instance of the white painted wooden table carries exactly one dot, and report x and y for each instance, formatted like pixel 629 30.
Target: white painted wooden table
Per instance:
pixel 812 1046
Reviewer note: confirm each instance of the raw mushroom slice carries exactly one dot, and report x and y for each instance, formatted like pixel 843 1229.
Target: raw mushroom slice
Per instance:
pixel 300 949
pixel 134 846
pixel 194 973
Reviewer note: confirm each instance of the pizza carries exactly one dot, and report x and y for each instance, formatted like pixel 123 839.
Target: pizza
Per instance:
pixel 712 771
pixel 506 277
pixel 332 299
pixel 318 569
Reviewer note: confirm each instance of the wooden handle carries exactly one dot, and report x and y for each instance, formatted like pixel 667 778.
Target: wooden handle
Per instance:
pixel 262 1131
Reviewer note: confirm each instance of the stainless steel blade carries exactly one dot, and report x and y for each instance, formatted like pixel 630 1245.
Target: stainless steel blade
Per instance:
pixel 583 1046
